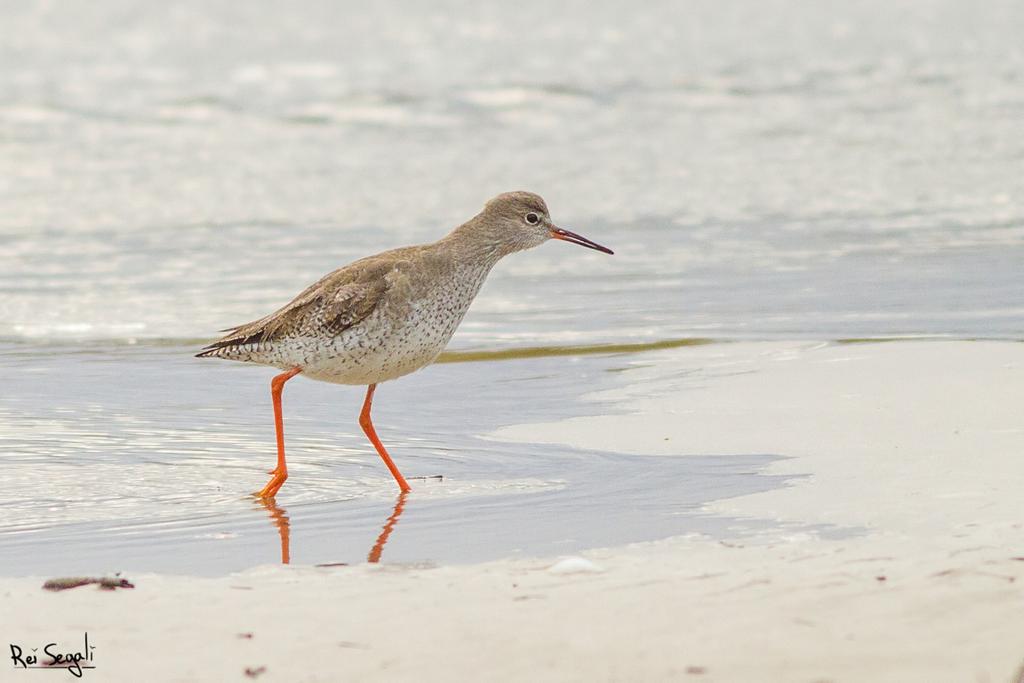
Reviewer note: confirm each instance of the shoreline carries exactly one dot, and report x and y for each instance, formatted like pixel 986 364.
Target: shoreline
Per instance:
pixel 898 553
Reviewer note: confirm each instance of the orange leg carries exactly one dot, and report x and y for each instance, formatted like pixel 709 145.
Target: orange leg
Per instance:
pixel 367 425
pixel 280 473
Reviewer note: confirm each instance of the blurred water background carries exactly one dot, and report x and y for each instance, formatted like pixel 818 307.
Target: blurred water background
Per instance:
pixel 768 170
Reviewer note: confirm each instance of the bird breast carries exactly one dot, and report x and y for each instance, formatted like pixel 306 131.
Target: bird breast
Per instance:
pixel 402 335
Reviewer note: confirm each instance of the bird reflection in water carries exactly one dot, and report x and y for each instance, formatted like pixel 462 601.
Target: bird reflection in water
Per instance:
pixel 279 516
pixel 378 547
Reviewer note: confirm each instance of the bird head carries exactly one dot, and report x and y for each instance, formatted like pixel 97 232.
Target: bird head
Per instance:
pixel 520 220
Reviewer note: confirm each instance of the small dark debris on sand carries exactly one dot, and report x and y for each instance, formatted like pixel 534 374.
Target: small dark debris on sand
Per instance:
pixel 254 672
pixel 105 583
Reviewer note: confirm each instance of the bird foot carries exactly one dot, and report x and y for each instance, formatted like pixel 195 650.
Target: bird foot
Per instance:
pixel 273 486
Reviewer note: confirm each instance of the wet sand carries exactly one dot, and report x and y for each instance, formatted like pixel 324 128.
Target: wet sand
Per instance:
pixel 895 556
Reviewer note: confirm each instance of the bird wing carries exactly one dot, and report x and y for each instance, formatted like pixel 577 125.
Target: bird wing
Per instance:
pixel 331 305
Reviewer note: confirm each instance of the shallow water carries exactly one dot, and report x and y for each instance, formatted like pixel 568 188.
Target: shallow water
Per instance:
pixel 153 473
pixel 763 171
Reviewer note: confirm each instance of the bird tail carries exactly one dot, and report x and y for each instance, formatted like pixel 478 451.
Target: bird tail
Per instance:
pixel 208 352
pixel 232 344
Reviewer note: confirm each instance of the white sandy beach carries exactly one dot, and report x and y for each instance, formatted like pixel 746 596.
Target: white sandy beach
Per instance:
pixel 898 552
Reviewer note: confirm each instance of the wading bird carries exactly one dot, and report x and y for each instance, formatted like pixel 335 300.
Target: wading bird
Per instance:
pixel 387 315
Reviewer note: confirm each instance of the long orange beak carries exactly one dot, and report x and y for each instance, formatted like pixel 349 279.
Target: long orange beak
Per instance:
pixel 565 235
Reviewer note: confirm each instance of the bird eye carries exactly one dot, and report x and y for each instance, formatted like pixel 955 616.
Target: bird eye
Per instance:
pixel 532 218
